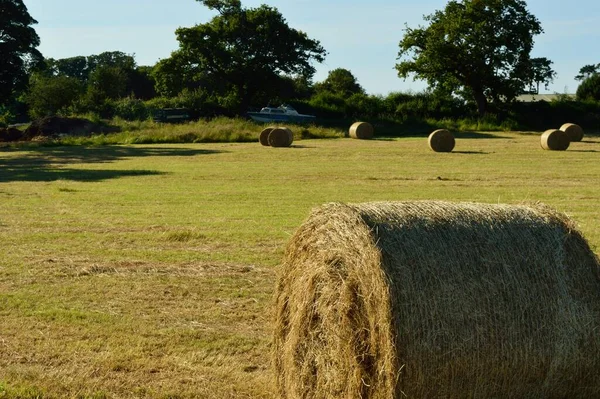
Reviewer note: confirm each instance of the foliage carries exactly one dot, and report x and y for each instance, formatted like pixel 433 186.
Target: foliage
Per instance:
pixel 589 89
pixel 340 81
pixel 480 49
pixel 587 70
pixel 141 83
pixel 51 95
pixel 72 67
pixel 247 49
pixel 18 53
pixel 106 83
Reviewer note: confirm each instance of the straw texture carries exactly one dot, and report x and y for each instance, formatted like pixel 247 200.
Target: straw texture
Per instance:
pixel 555 140
pixel 361 130
pixel 280 137
pixel 441 140
pixel 575 132
pixel 434 299
pixel 263 138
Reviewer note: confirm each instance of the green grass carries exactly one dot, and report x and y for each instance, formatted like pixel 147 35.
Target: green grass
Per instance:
pixel 147 271
pixel 217 130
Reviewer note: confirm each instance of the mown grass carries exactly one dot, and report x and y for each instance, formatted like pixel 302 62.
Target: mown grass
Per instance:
pixel 147 271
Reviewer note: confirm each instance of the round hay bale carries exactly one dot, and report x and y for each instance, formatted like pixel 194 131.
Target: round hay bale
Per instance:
pixel 433 299
pixel 279 137
pixel 263 138
pixel 555 140
pixel 361 130
pixel 575 132
pixel 441 140
pixel 289 132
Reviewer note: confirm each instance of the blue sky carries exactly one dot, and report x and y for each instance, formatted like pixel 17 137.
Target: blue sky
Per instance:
pixel 361 36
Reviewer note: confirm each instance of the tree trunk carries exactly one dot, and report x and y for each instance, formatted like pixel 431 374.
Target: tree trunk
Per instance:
pixel 481 101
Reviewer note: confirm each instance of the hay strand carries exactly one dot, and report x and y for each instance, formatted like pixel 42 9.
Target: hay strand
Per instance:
pixel 575 132
pixel 441 140
pixel 555 140
pixel 361 130
pixel 432 299
pixel 280 137
pixel 263 138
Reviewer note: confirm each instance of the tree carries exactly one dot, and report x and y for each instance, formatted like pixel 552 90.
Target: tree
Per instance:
pixel 49 95
pixel 587 70
pixel 106 83
pixel 478 48
pixel 589 89
pixel 72 67
pixel 18 53
pixel 340 81
pixel 244 51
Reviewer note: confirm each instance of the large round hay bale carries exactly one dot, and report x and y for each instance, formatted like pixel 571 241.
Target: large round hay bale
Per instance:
pixel 555 140
pixel 263 138
pixel 434 299
pixel 289 132
pixel 441 140
pixel 361 130
pixel 575 132
pixel 279 137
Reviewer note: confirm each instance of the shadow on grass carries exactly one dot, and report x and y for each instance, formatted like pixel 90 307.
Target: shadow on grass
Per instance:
pixel 48 163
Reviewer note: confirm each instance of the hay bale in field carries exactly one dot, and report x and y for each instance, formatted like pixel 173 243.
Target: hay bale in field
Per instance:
pixel 361 130
pixel 441 140
pixel 263 138
pixel 289 132
pixel 434 299
pixel 575 132
pixel 555 140
pixel 280 137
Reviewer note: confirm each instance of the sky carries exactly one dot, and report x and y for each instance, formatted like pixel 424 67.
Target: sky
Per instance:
pixel 360 36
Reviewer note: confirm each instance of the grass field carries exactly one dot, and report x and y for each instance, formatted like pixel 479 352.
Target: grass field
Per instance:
pixel 146 271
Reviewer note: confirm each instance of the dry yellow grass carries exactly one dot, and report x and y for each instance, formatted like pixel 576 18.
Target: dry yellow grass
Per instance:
pixel 148 271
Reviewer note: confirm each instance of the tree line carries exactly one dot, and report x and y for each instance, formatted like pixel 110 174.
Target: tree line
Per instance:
pixel 474 55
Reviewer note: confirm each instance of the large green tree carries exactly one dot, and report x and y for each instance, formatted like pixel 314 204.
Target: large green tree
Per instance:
pixel 243 51
pixel 340 81
pixel 50 95
pixel 18 52
pixel 477 48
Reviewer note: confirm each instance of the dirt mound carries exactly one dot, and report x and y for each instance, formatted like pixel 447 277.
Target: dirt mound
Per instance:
pixel 10 134
pixel 55 125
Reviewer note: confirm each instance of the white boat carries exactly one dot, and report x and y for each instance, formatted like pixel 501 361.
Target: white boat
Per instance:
pixel 283 113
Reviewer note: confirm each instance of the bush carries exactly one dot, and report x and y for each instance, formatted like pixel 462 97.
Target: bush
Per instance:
pixel 360 105
pixel 131 109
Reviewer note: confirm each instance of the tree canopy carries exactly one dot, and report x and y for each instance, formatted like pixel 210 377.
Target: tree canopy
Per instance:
pixel 241 50
pixel 18 52
pixel 589 89
pixel 477 48
pixel 587 70
pixel 340 81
